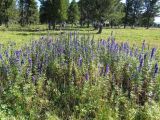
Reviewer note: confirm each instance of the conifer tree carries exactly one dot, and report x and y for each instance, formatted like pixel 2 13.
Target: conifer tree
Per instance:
pixel 73 12
pixel 28 10
pixel 152 9
pixel 53 11
pixel 4 11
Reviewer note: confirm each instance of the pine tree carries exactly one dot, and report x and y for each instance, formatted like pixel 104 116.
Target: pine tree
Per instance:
pixel 133 12
pixel 53 11
pixel 13 13
pixel 73 12
pixel 128 9
pixel 32 12
pixel 96 10
pixel 49 12
pixel 86 10
pixel 117 14
pixel 152 8
pixel 62 13
pixel 4 11
pixel 28 12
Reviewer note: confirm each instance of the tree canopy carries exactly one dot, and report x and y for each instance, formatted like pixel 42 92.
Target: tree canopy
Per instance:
pixel 131 13
pixel 73 12
pixel 28 12
pixel 53 11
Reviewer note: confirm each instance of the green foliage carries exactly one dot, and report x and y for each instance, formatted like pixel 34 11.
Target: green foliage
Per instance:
pixel 73 12
pixel 62 10
pixel 151 10
pixel 13 13
pixel 86 9
pixel 100 10
pixel 133 11
pixel 28 12
pixel 141 12
pixel 5 6
pixel 53 11
pixel 116 16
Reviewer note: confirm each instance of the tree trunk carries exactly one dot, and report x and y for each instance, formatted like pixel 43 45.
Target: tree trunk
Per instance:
pixel 95 25
pixel 88 24
pixel 126 14
pixel 148 20
pixel 53 25
pixel 81 23
pixel 49 25
pixel 100 28
pixel 125 22
pixel 6 24
pixel 111 24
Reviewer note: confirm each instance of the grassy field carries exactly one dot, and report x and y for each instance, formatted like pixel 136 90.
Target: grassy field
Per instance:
pixel 134 36
pixel 79 79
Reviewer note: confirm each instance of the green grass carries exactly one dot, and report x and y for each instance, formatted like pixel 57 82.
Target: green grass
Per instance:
pixel 135 36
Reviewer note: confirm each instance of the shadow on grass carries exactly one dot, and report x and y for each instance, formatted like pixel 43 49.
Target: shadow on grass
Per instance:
pixel 42 30
pixel 36 33
pixel 51 33
pixel 39 29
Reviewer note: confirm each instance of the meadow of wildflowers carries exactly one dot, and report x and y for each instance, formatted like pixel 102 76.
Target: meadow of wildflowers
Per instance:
pixel 77 77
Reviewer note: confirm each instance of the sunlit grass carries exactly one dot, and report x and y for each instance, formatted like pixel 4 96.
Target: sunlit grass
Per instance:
pixel 135 36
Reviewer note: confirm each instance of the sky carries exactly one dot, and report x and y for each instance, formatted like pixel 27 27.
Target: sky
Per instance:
pixel 157 19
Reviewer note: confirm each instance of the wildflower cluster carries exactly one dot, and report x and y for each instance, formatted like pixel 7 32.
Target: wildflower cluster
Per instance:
pixel 63 71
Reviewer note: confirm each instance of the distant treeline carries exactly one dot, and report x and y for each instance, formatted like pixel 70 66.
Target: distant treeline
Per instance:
pixel 113 12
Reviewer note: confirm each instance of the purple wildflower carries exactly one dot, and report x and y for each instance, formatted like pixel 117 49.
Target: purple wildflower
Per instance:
pixel 131 53
pixel 156 69
pixel 116 48
pixel 125 46
pixel 33 79
pixel 30 60
pixel 127 51
pixel 141 62
pixel 145 56
pixel 6 53
pixel 86 49
pixel 152 53
pixel 87 76
pixel 28 72
pixel 136 52
pixel 107 69
pixel 1 57
pixel 17 53
pixel 103 42
pixel 80 61
pixel 17 60
pixel 140 56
